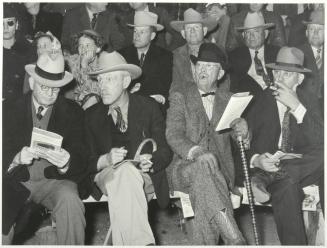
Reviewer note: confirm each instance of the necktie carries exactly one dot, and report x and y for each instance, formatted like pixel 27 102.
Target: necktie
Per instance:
pixel 94 20
pixel 142 59
pixel 34 21
pixel 212 93
pixel 286 141
pixel 39 111
pixel 259 69
pixel 120 123
pixel 319 58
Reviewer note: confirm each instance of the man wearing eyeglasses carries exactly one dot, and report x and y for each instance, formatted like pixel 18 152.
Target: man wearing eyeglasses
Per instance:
pixel 47 177
pixel 17 52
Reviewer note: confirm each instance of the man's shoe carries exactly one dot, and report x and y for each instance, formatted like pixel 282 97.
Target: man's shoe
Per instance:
pixel 259 190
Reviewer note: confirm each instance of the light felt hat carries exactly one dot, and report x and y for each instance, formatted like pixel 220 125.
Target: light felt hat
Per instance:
pixel 49 71
pixel 254 20
pixel 192 16
pixel 144 19
pixel 289 59
pixel 316 17
pixel 109 62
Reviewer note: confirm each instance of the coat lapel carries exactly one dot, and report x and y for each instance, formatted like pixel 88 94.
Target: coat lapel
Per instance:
pixel 84 18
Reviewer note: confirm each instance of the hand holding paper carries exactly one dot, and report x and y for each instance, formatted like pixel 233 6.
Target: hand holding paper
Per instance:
pixel 26 156
pixel 58 158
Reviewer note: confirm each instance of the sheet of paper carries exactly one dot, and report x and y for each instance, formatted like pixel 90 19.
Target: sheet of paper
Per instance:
pixel 45 140
pixel 282 155
pixel 234 109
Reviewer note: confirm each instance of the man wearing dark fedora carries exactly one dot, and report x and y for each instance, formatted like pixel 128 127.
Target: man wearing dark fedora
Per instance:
pixel 156 62
pixel 193 29
pixel 47 177
pixel 286 118
pixel 114 130
pixel 313 51
pixel 248 71
pixel 203 165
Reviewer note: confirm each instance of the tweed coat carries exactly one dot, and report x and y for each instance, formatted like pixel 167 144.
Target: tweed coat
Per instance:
pixel 77 20
pixel 144 121
pixel 276 36
pixel 188 125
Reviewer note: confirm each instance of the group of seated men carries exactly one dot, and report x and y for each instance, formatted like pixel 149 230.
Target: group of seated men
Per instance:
pixel 180 113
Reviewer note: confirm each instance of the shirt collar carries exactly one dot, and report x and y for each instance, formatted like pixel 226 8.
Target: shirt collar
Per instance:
pixel 37 105
pixel 90 13
pixel 314 49
pixel 260 52
pixel 145 52
pixel 123 107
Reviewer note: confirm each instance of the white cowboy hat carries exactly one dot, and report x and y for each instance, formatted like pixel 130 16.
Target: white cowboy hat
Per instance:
pixel 192 16
pixel 144 19
pixel 49 71
pixel 254 20
pixel 109 62
pixel 289 59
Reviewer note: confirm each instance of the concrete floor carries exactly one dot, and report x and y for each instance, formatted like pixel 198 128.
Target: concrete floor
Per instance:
pixel 165 224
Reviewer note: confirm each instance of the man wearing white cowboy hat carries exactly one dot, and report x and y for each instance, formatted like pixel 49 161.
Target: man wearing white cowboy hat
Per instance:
pixel 276 37
pixel 248 71
pixel 203 165
pixel 155 61
pixel 115 128
pixel 193 29
pixel 286 118
pixel 49 177
pixel 313 51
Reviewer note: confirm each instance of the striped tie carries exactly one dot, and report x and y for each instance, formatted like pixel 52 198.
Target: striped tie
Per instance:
pixel 39 111
pixel 286 132
pixel 120 123
pixel 319 58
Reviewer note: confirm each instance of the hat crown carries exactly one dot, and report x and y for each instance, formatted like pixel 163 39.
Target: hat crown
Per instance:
pixel 108 60
pixel 253 20
pixel 190 15
pixel 51 65
pixel 290 55
pixel 145 18
pixel 317 17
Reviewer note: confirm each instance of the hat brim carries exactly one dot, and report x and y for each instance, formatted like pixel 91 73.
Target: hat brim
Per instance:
pixel 210 23
pixel 265 26
pixel 68 77
pixel 274 66
pixel 158 27
pixel 134 70
pixel 306 23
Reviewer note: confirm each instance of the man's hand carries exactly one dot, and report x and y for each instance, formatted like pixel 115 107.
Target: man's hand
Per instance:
pixel 145 162
pixel 86 57
pixel 286 96
pixel 240 128
pixel 116 155
pixel 208 159
pixel 26 156
pixel 58 158
pixel 266 162
pixel 159 98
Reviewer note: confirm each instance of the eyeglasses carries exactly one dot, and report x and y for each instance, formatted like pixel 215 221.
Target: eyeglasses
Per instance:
pixel 10 23
pixel 45 88
pixel 142 32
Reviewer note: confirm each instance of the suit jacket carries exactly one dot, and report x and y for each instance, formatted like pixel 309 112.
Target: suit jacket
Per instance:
pixel 156 71
pixel 77 20
pixel 188 126
pixel 144 121
pixel 297 35
pixel 306 138
pixel 67 120
pixel 276 36
pixel 240 60
pixel 314 82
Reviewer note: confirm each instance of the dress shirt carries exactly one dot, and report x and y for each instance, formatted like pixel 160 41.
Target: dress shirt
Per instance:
pixel 315 53
pixel 124 110
pixel 37 105
pixel 139 53
pixel 252 72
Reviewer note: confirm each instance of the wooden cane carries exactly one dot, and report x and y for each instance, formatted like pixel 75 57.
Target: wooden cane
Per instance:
pixel 248 189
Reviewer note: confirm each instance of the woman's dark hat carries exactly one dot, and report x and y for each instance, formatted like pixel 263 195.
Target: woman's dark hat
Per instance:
pixel 209 52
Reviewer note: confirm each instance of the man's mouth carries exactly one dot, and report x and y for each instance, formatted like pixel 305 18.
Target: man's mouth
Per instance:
pixel 203 76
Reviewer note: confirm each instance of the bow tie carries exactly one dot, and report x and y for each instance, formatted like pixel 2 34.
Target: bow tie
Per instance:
pixel 212 93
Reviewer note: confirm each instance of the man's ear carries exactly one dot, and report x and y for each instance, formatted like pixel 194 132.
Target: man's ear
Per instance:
pixel 221 74
pixel 266 33
pixel 183 33
pixel 98 50
pixel 153 35
pixel 31 82
pixel 126 81
pixel 306 33
pixel 205 31
pixel 301 78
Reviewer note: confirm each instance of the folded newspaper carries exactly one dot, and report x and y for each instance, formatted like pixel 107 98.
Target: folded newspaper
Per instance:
pixel 45 140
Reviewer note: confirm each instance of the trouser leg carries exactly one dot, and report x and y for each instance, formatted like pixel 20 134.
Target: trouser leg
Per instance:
pixel 68 212
pixel 128 207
